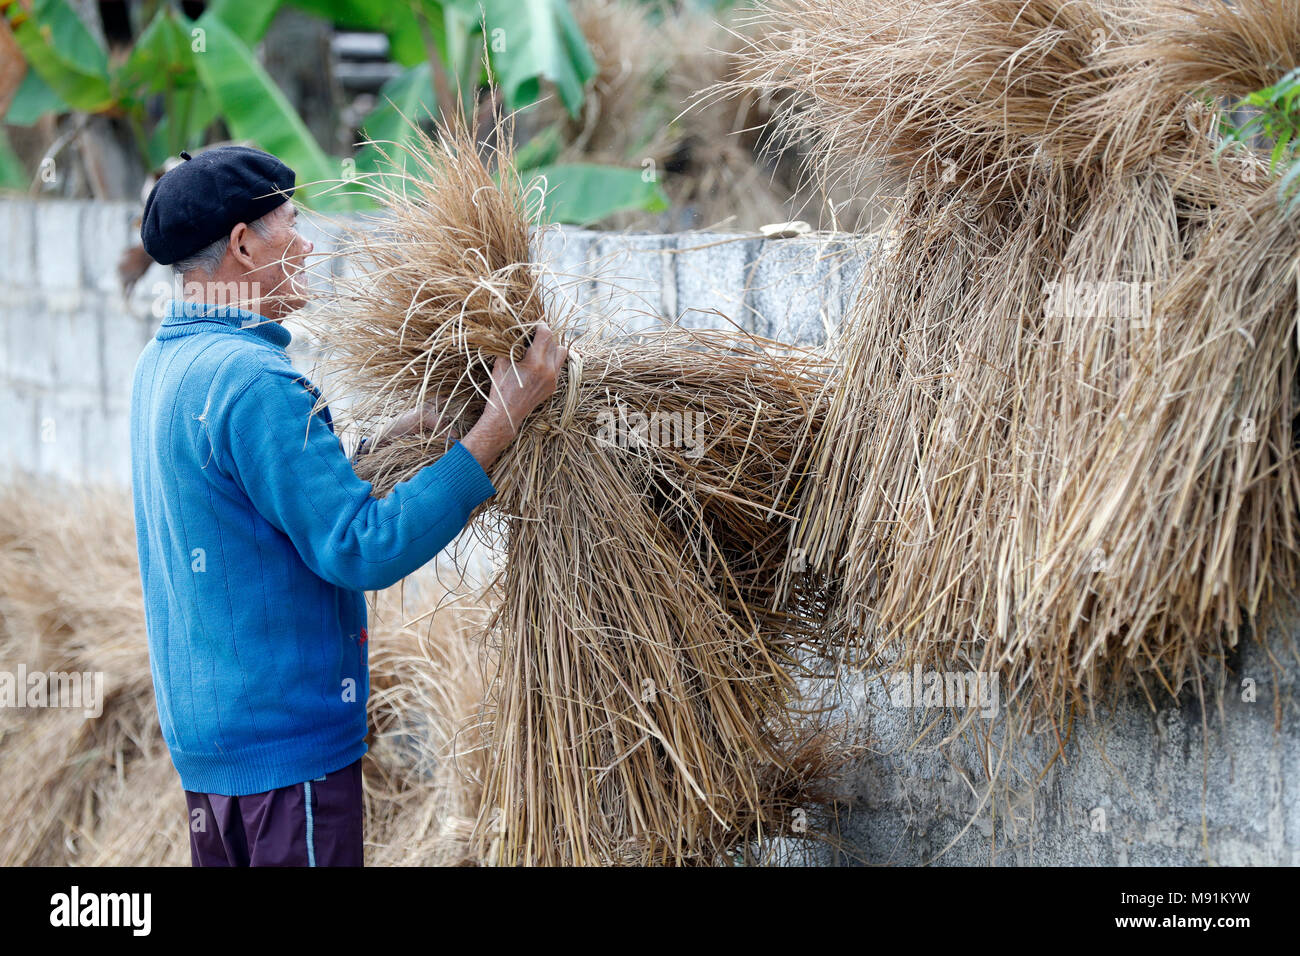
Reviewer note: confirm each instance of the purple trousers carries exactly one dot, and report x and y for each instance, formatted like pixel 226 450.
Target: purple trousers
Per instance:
pixel 315 823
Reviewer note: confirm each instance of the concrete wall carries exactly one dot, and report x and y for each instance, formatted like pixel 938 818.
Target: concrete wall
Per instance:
pixel 70 337
pixel 67 340
pixel 1134 786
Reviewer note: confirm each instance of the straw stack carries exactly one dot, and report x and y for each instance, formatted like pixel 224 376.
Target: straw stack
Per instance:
pixel 101 791
pixel 70 602
pixel 1062 446
pixel 424 770
pixel 646 707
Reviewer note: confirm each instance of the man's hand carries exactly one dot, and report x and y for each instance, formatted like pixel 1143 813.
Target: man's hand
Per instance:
pixel 427 419
pixel 517 389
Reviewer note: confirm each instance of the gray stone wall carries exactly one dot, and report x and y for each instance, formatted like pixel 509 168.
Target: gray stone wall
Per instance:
pixel 67 339
pixel 1135 785
pixel 69 336
pixel 1173 785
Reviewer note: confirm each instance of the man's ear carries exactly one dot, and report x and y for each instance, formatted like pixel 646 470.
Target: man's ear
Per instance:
pixel 239 237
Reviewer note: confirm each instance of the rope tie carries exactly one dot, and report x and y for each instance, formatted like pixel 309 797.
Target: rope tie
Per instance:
pixel 573 368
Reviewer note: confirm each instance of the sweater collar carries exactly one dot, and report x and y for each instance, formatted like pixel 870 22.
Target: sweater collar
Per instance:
pixel 184 318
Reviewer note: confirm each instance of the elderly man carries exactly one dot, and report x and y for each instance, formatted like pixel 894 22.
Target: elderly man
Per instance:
pixel 256 537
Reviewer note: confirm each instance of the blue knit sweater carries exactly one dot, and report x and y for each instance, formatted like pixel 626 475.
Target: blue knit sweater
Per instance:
pixel 256 542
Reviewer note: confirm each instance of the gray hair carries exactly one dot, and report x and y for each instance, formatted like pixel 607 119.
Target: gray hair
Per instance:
pixel 208 259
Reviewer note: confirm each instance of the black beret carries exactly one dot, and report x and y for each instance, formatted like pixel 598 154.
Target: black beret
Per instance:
pixel 196 203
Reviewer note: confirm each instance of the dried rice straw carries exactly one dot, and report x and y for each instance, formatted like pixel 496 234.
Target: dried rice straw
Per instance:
pixel 1052 486
pixel 644 709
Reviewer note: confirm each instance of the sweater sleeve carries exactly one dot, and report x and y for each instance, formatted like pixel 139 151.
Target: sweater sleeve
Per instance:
pixel 297 475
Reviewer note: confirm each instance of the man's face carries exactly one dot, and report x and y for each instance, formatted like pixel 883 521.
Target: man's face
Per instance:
pixel 280 263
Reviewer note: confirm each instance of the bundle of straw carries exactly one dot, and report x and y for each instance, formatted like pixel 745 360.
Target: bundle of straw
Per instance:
pixel 70 603
pixel 426 763
pixel 644 707
pixel 1021 471
pixel 102 791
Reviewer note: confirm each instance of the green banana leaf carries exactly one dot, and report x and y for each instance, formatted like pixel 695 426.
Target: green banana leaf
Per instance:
pixel 32 100
pixel 59 47
pixel 529 40
pixel 160 59
pixel 542 150
pixel 12 174
pixel 537 39
pixel 190 114
pixel 163 60
pixel 404 101
pixel 396 19
pixel 255 109
pixel 247 19
pixel 584 193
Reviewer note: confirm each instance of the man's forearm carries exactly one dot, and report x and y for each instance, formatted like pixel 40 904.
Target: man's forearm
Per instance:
pixel 489 437
pixel 486 441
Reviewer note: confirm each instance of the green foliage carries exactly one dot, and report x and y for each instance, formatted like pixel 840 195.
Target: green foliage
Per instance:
pixel 399 20
pixel 190 111
pixel 402 101
pixel 583 193
pixel 12 174
pixel 525 41
pixel 531 40
pixel 206 70
pixel 517 43
pixel 247 19
pixel 255 109
pixel 1274 117
pixel 67 56
pixel 542 150
pixel 32 100
pixel 160 60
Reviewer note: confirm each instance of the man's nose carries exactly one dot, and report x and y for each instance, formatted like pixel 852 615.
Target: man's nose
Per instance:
pixel 309 245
